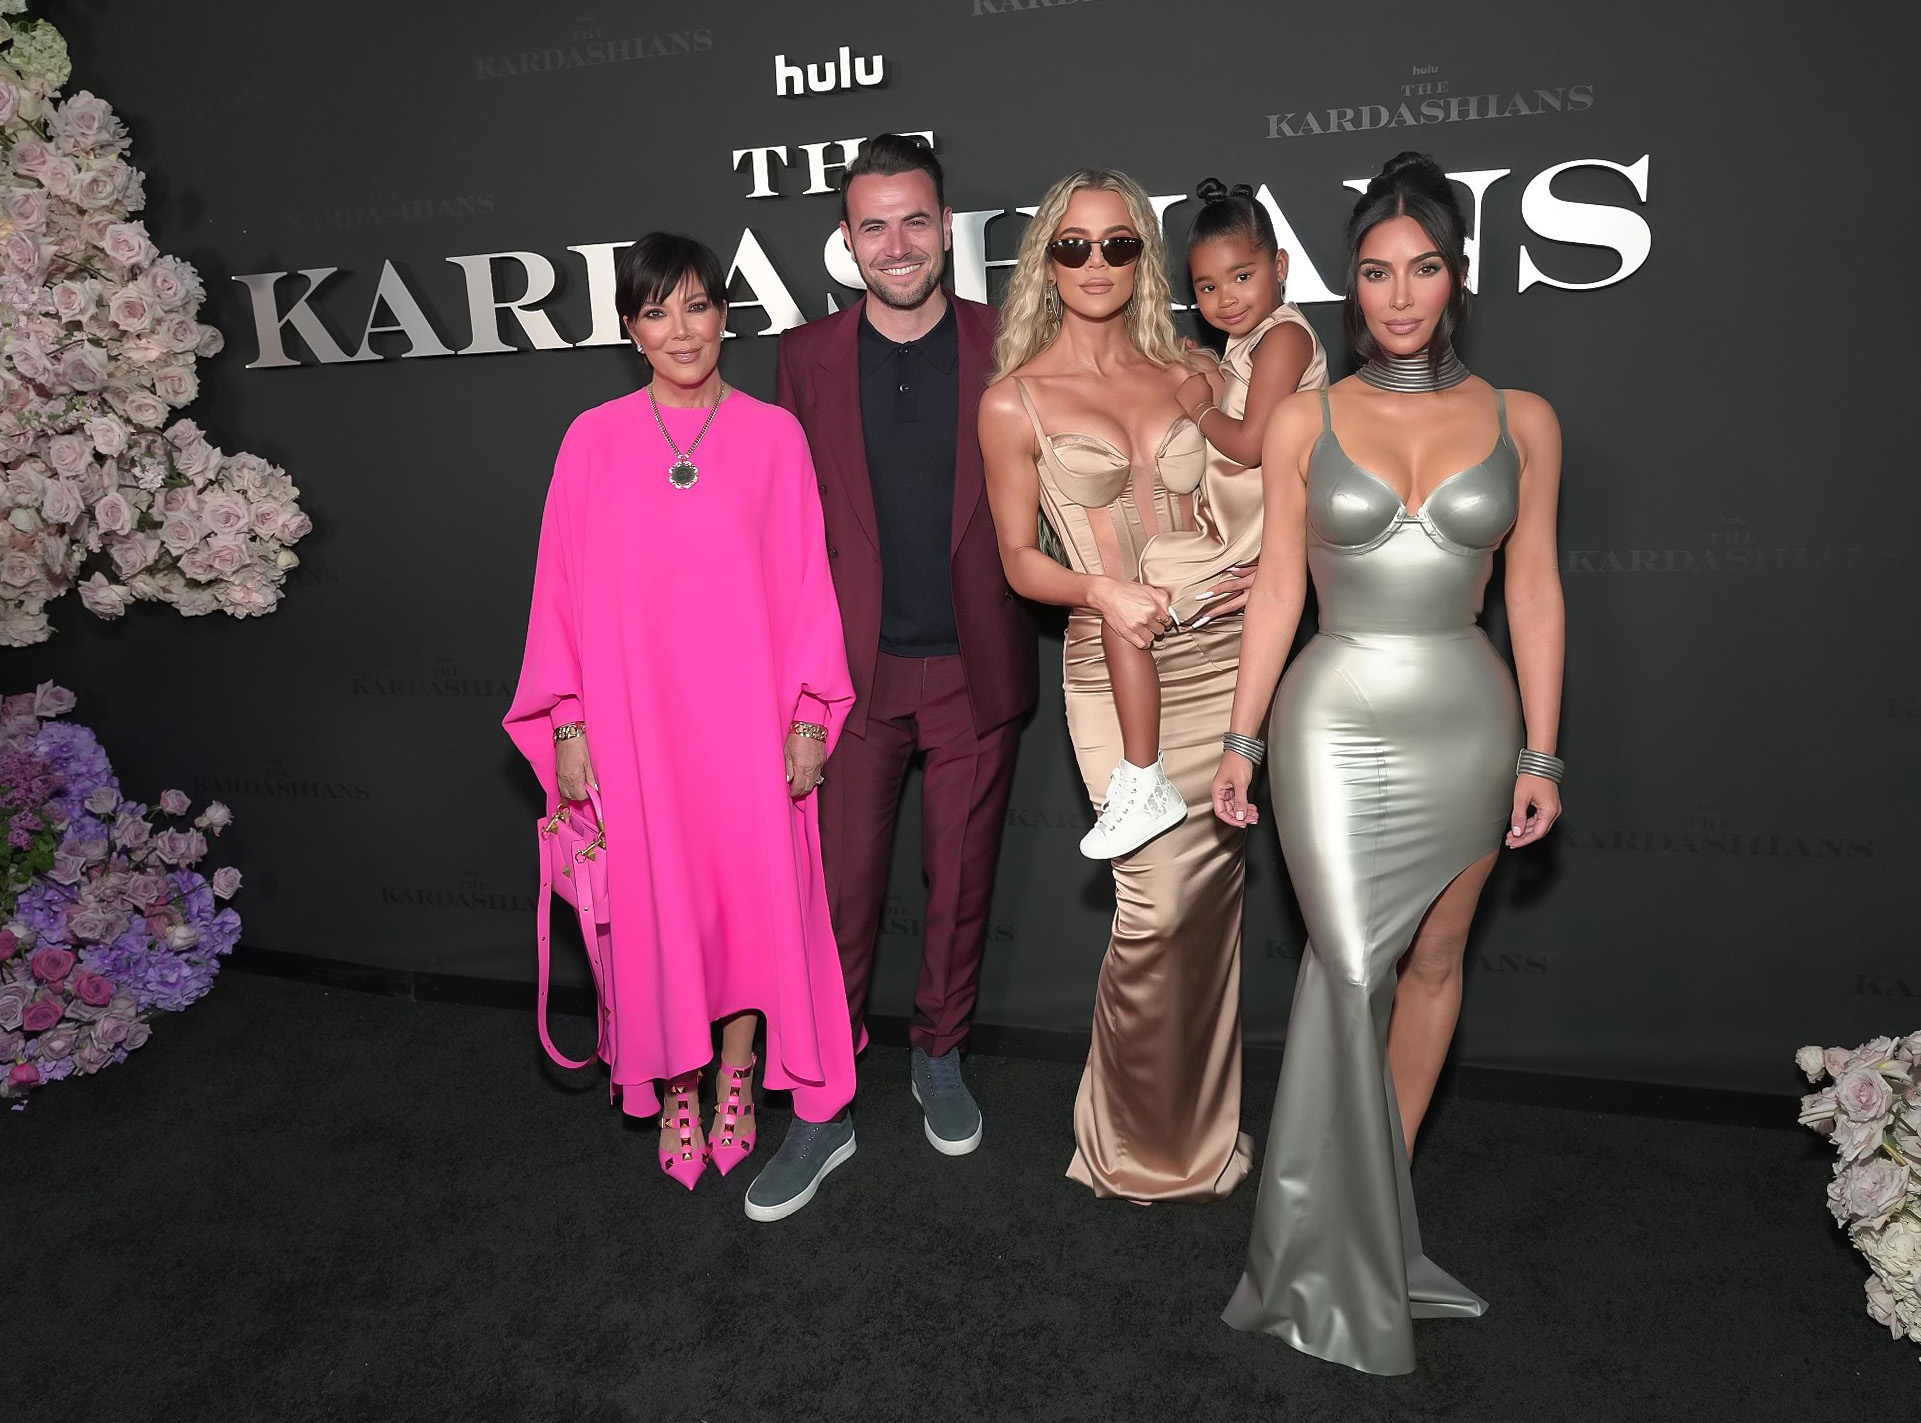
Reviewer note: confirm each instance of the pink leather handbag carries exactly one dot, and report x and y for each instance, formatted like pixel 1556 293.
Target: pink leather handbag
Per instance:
pixel 573 865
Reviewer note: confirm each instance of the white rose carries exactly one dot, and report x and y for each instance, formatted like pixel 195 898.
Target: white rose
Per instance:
pixel 131 309
pixel 86 122
pixel 179 532
pixel 109 435
pixel 113 514
pixel 30 360
pixel 180 332
pixel 143 407
pixel 9 102
pixel 18 568
pixel 96 225
pixel 249 472
pixel 133 553
pixel 177 385
pixel 101 185
pixel 227 554
pixel 27 207
pixel 224 513
pixel 143 348
pixel 69 454
pixel 1810 1061
pixel 211 342
pixel 71 300
pixel 197 459
pixel 104 599
pixel 59 174
pixel 26 520
pixel 197 564
pixel 165 283
pixel 31 157
pixel 60 502
pixel 84 367
pixel 128 244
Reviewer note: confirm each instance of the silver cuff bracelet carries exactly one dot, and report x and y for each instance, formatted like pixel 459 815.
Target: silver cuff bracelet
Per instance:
pixel 1539 763
pixel 1251 747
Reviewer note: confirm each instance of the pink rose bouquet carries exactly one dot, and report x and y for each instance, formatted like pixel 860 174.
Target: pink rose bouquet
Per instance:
pixel 1871 1110
pixel 106 920
pixel 101 486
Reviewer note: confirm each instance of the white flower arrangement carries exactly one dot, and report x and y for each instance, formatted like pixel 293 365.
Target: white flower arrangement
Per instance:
pixel 99 333
pixel 1871 1110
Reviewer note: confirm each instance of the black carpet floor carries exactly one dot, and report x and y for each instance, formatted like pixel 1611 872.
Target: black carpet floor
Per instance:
pixel 303 1203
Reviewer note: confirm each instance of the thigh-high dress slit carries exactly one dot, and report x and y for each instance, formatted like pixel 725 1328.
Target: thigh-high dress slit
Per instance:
pixel 1391 755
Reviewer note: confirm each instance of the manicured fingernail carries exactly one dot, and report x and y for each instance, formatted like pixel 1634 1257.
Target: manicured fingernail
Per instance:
pixel 1515 829
pixel 1240 815
pixel 1203 622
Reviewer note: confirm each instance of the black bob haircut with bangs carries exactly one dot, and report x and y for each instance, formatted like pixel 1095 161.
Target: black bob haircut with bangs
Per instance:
pixel 653 268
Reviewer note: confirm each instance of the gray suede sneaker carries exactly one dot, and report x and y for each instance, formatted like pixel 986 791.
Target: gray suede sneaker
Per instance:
pixel 952 1121
pixel 789 1181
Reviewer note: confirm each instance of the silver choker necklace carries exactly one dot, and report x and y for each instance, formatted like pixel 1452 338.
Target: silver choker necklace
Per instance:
pixel 1413 373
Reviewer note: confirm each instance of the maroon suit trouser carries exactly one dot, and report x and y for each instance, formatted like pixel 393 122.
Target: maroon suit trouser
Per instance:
pixel 917 704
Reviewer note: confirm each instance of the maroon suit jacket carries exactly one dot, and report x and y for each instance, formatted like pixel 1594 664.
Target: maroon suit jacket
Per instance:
pixel 818 378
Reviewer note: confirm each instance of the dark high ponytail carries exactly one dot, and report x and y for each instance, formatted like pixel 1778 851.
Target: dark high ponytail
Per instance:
pixel 1231 212
pixel 1409 185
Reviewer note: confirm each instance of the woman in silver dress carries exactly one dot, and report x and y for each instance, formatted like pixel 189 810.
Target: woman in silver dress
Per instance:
pixel 1401 759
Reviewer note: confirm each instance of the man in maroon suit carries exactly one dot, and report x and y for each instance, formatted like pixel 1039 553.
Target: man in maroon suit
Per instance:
pixel 943 654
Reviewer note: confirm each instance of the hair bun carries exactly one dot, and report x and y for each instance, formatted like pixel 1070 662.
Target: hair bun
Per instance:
pixel 1408 158
pixel 1211 190
pixel 1409 167
pixel 1242 190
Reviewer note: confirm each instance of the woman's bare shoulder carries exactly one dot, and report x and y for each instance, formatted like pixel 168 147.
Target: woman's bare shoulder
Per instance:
pixel 1001 401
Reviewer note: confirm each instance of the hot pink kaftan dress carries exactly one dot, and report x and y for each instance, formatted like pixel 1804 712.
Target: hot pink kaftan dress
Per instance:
pixel 689 628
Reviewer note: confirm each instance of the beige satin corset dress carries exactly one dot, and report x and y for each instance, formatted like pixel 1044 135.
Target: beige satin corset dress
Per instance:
pixel 1157 1116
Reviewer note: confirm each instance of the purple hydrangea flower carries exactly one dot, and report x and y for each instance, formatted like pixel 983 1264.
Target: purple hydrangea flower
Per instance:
pixel 104 876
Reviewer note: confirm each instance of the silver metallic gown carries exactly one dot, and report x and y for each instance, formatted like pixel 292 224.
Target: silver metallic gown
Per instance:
pixel 1391 752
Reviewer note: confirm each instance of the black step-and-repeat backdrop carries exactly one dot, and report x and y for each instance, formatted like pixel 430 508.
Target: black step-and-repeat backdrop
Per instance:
pixel 407 216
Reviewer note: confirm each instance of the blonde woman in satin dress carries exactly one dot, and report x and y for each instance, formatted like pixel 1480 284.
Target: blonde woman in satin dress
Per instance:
pixel 1081 425
pixel 1401 760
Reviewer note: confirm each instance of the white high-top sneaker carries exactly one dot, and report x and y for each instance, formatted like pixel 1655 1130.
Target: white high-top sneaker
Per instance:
pixel 1141 803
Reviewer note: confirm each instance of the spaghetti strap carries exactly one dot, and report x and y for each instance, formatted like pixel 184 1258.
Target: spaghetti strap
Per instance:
pixel 1500 408
pixel 1033 413
pixel 1327 415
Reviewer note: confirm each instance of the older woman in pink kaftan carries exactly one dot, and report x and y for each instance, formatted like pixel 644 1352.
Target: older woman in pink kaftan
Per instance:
pixel 689 628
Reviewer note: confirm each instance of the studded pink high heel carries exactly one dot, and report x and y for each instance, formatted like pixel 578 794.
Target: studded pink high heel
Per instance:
pixel 684 1162
pixel 736 1126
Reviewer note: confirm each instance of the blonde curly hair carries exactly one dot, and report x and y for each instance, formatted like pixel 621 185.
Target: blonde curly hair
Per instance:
pixel 1028 327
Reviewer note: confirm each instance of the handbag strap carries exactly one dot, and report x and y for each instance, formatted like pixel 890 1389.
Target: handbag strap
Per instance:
pixel 543 937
